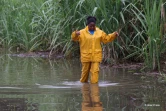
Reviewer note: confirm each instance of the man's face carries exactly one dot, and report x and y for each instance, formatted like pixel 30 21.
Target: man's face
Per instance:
pixel 91 26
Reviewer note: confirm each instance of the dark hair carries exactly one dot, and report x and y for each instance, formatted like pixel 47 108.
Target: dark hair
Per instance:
pixel 91 19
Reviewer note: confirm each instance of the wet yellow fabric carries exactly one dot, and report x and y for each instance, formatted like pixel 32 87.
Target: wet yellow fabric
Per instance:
pixel 91 51
pixel 90 45
pixel 93 68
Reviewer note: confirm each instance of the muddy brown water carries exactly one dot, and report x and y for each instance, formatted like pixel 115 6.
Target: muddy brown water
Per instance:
pixel 40 84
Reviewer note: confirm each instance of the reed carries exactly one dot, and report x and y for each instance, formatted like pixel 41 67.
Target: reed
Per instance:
pixel 150 32
pixel 46 25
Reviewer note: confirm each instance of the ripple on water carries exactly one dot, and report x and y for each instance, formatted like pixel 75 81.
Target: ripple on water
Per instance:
pixel 75 84
pixel 10 88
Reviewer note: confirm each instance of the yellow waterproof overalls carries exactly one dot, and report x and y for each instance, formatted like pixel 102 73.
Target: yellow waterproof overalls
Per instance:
pixel 91 51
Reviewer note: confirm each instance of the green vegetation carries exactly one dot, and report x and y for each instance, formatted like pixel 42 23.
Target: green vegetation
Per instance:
pixel 35 25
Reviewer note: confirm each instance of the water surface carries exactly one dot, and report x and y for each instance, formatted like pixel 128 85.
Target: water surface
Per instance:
pixel 40 84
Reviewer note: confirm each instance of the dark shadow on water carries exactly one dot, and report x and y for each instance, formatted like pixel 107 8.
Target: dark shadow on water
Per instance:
pixel 11 104
pixel 17 104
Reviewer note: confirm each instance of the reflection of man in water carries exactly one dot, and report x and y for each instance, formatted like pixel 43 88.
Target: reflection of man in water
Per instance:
pixel 91 98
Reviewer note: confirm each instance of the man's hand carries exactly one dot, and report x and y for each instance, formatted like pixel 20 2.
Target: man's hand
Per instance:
pixel 77 33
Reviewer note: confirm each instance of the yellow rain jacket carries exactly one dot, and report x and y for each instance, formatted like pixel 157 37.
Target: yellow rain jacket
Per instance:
pixel 90 45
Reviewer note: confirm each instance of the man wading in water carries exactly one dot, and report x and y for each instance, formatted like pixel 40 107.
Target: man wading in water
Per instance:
pixel 90 39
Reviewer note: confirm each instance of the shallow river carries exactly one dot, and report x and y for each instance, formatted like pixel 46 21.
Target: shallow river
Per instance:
pixel 38 84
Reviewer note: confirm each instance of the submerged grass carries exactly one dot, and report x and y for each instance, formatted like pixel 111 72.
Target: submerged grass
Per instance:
pixel 43 25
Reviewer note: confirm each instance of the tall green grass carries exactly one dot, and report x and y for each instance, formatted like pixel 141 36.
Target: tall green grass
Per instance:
pixel 29 25
pixel 150 32
pixel 46 25
pixel 155 40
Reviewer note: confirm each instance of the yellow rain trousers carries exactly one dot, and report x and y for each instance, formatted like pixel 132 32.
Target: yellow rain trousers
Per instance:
pixel 91 51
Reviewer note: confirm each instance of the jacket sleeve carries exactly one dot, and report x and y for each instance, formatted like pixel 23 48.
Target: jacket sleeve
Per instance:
pixel 74 37
pixel 108 38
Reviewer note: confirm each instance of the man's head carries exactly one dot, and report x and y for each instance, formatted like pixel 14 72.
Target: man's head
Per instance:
pixel 91 22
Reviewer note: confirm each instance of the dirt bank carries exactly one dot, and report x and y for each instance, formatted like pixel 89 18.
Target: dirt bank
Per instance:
pixel 131 65
pixel 43 54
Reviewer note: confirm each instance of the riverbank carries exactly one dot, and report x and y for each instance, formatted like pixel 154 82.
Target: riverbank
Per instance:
pixel 126 64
